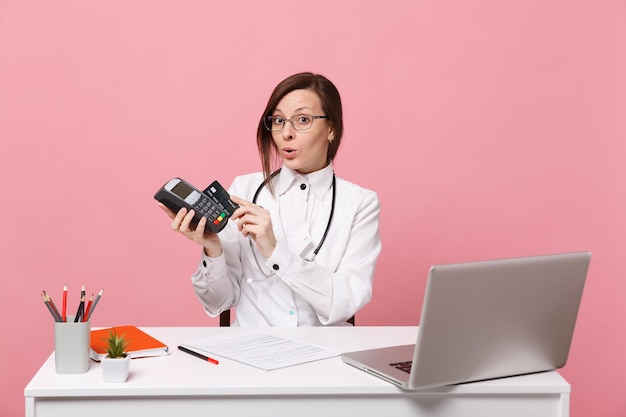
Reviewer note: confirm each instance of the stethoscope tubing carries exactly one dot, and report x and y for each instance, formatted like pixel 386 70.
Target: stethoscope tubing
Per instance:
pixel 330 217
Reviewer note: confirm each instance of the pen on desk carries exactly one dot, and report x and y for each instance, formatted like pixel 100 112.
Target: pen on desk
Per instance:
pixel 198 355
pixel 79 312
pixel 57 316
pixel 95 303
pixel 88 308
pixel 64 307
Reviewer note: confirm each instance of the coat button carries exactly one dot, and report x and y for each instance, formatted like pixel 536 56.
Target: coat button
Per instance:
pixel 204 263
pixel 275 267
pixel 303 186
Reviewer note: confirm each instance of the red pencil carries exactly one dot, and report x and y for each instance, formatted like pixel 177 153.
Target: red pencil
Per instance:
pixel 64 307
pixel 86 315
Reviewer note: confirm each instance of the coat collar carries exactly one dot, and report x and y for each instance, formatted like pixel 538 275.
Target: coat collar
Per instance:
pixel 319 181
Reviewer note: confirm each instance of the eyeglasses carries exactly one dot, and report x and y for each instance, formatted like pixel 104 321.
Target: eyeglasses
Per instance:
pixel 299 122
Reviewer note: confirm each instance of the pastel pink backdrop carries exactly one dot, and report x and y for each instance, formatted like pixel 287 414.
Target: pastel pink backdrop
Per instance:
pixel 488 128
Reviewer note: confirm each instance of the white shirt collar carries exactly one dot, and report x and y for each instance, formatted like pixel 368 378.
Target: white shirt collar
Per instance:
pixel 319 181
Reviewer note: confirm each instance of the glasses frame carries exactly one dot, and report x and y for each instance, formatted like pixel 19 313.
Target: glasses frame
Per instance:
pixel 269 118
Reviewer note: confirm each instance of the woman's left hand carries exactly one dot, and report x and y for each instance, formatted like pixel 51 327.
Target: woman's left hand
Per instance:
pixel 253 220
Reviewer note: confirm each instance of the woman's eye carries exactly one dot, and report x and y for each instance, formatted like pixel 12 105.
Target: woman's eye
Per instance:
pixel 278 120
pixel 303 119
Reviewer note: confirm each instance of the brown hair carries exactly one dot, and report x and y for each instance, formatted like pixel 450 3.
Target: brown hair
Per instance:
pixel 331 106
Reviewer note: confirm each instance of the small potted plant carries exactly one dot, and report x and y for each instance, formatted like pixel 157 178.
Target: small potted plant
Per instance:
pixel 116 364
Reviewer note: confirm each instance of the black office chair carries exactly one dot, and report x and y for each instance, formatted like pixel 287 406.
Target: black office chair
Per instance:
pixel 225 319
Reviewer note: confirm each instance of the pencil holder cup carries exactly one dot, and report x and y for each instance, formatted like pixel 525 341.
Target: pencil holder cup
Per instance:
pixel 71 346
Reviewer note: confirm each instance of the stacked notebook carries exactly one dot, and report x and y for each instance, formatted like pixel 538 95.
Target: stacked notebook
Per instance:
pixel 140 345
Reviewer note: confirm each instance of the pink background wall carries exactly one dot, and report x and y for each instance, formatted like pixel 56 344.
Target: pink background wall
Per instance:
pixel 488 128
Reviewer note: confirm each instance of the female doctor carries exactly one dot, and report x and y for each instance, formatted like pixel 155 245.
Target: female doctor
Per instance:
pixel 302 247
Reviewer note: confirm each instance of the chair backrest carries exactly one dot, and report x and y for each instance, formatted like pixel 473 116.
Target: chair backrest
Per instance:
pixel 225 319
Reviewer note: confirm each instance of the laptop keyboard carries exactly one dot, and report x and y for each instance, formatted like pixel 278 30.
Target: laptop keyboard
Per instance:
pixel 403 366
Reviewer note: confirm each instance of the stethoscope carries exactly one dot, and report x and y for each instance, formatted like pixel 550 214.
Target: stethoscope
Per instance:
pixel 319 245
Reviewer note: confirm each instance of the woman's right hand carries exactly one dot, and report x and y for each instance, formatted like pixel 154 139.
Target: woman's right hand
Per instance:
pixel 181 222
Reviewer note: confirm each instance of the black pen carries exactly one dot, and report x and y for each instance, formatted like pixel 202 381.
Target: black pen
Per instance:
pixel 198 355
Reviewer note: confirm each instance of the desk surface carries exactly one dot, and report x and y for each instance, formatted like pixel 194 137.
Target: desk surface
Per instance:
pixel 182 375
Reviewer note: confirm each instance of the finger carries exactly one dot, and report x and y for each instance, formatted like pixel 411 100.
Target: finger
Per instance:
pixel 199 232
pixel 240 212
pixel 250 210
pixel 245 207
pixel 247 229
pixel 184 226
pixel 179 218
pixel 245 219
pixel 240 201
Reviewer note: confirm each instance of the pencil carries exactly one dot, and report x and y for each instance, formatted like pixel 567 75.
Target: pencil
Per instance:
pixel 43 296
pixel 54 308
pixel 88 308
pixel 95 303
pixel 79 312
pixel 82 297
pixel 64 307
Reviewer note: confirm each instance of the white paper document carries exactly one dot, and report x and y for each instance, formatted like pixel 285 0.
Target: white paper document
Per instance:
pixel 261 350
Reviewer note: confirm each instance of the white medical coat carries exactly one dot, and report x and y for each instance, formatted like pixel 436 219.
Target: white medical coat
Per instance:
pixel 288 289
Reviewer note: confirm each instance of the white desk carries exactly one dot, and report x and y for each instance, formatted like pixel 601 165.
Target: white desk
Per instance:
pixel 182 385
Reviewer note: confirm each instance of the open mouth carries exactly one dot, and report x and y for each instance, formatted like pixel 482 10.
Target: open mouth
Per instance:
pixel 289 152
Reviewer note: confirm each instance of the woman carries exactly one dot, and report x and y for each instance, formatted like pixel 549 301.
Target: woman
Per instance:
pixel 302 247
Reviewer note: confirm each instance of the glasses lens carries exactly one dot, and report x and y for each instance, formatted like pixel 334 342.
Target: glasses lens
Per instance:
pixel 302 121
pixel 274 123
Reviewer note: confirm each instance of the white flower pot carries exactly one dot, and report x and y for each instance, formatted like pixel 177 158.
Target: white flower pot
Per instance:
pixel 115 369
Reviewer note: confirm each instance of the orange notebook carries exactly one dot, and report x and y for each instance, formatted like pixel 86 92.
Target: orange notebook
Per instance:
pixel 140 345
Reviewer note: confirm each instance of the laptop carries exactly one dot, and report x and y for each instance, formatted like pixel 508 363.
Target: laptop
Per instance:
pixel 485 320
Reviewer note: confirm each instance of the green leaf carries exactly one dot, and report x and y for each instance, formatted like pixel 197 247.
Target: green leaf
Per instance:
pixel 116 345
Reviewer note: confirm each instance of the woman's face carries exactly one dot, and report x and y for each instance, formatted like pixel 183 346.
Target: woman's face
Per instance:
pixel 303 151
